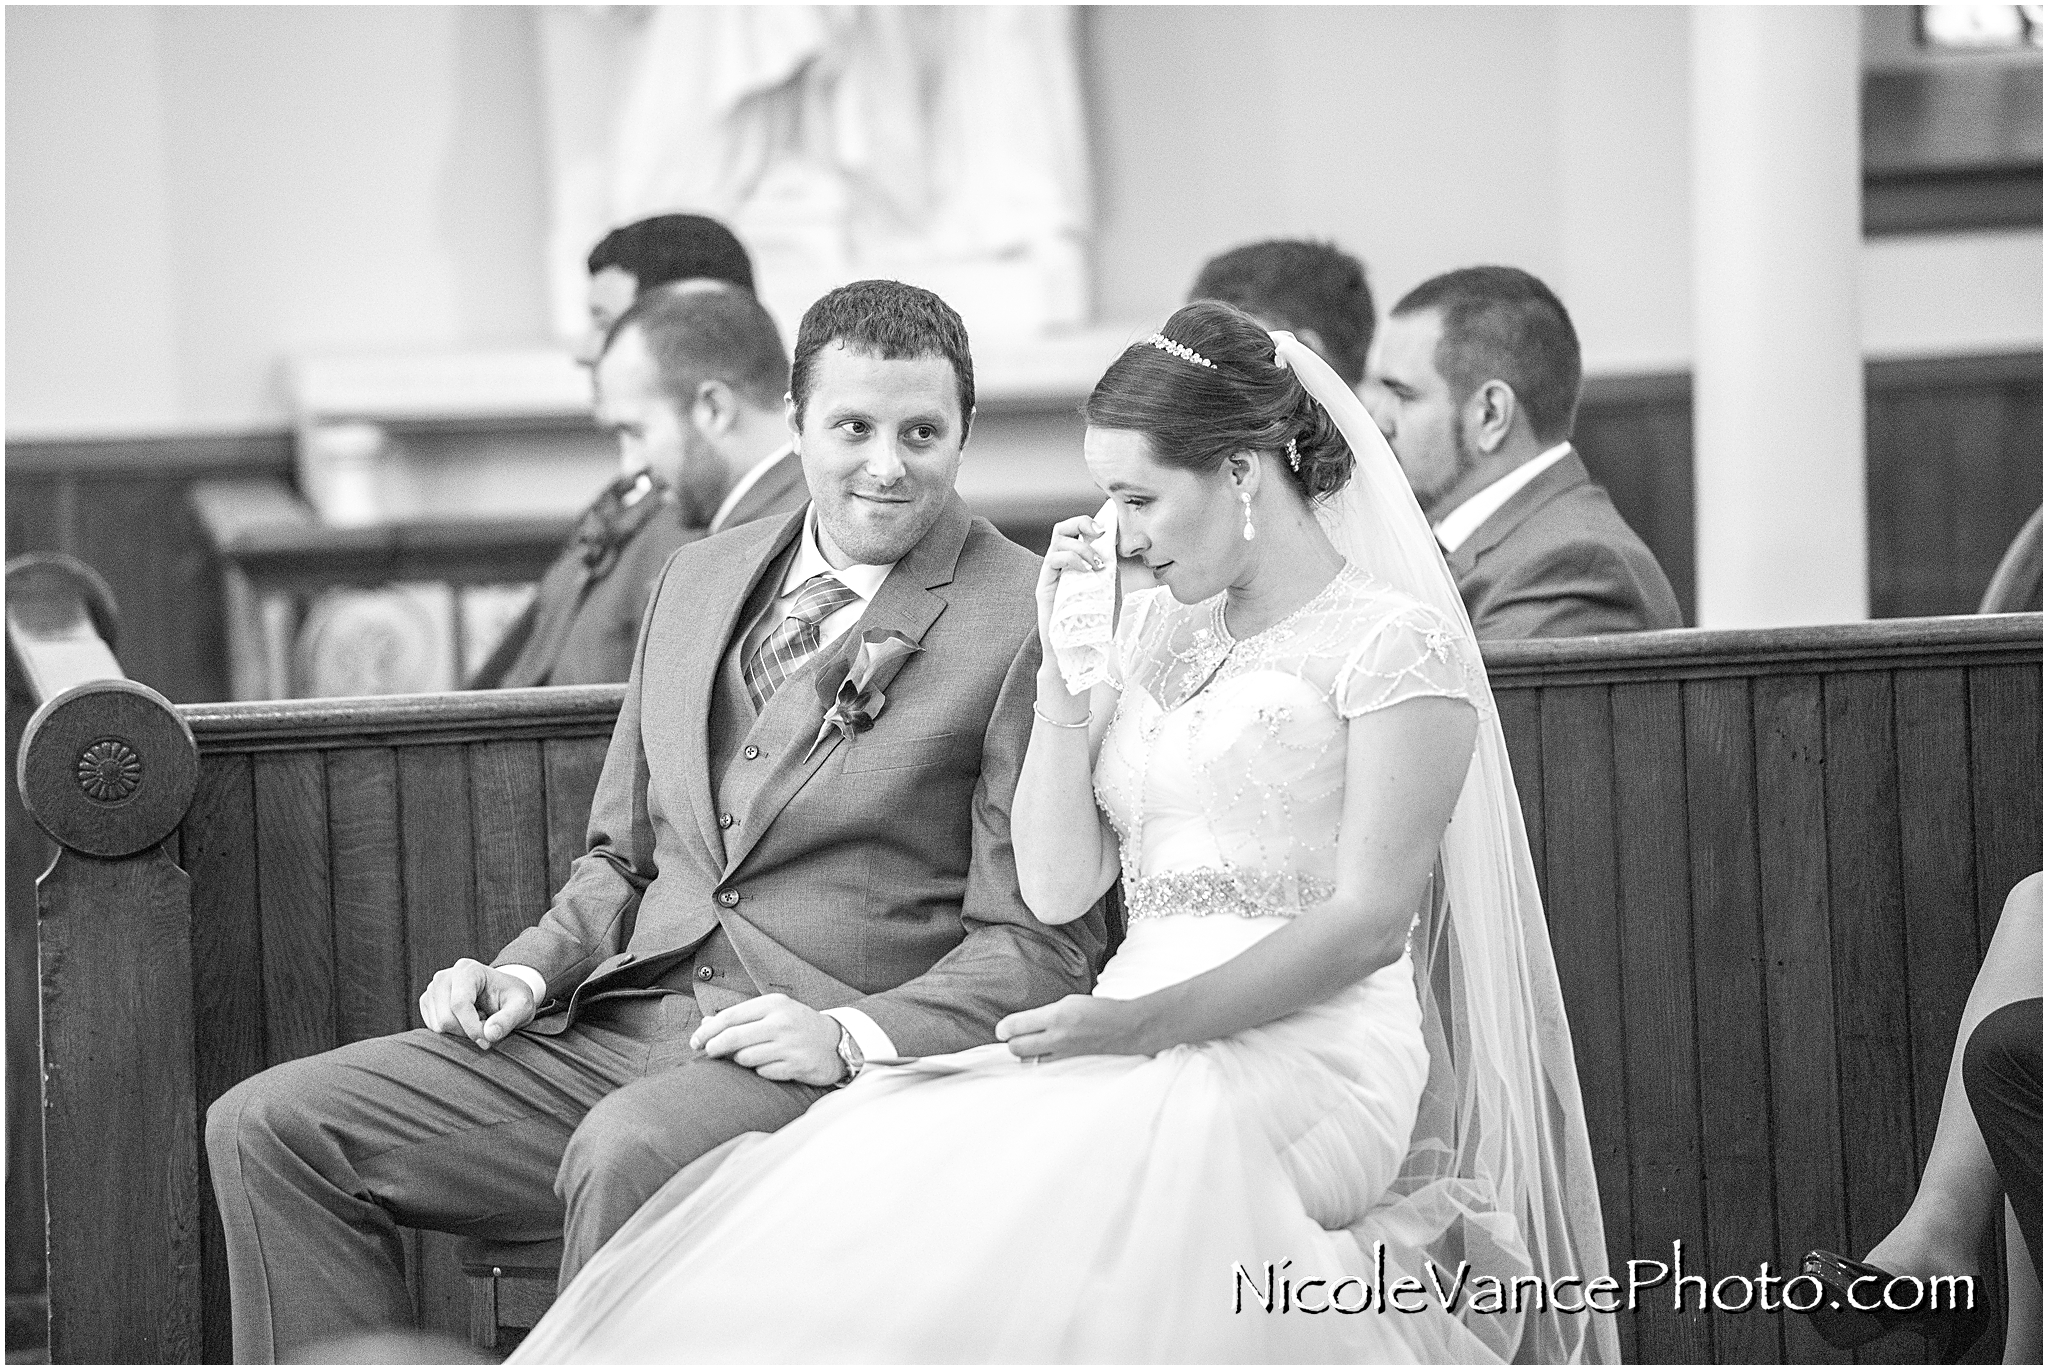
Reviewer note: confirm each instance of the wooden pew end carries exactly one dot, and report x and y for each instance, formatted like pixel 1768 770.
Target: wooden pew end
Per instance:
pixel 108 768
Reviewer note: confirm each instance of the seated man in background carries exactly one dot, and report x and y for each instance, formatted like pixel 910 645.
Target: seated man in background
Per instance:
pixel 630 261
pixel 690 380
pixel 1313 290
pixel 1475 382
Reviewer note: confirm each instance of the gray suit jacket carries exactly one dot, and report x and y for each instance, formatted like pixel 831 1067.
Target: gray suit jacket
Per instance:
pixel 780 489
pixel 874 871
pixel 1557 560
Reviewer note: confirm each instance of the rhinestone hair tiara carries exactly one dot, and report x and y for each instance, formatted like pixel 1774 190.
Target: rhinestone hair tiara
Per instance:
pixel 1181 350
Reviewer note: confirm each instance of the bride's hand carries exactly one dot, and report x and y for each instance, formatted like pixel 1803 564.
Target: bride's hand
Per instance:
pixel 1070 549
pixel 1078 1025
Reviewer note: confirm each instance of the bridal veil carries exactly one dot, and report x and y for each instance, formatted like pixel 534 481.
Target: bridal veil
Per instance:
pixel 1499 1172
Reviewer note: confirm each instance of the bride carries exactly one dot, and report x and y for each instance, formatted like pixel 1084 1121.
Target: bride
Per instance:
pixel 1321 1104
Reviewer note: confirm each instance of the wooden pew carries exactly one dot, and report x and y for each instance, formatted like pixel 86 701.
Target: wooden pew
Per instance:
pixel 106 769
pixel 1772 860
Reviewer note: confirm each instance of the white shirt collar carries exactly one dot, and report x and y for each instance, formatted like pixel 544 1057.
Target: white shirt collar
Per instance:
pixel 744 484
pixel 1463 521
pixel 863 580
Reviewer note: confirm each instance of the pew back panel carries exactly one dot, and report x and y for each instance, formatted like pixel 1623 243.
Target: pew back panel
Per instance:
pixel 341 853
pixel 1771 862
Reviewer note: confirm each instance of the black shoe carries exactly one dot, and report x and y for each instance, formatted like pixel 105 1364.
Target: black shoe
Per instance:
pixel 1950 1332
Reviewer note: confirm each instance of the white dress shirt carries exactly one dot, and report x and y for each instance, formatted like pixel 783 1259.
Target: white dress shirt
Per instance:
pixel 809 561
pixel 1463 521
pixel 864 581
pixel 744 484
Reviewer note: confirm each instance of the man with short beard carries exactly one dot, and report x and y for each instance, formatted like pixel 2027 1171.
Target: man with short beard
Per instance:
pixel 690 382
pixel 799 861
pixel 1475 381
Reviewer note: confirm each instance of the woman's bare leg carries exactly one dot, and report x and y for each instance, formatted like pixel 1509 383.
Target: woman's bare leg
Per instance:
pixel 1959 1194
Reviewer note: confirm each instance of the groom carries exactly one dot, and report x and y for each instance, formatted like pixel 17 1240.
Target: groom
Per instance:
pixel 799 860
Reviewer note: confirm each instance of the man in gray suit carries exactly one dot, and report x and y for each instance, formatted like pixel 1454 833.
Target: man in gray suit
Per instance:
pixel 1475 382
pixel 690 382
pixel 799 861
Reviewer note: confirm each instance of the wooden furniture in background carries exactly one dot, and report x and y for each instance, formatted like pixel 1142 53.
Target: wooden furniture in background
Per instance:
pixel 1951 135
pixel 285 578
pixel 1954 469
pixel 1771 860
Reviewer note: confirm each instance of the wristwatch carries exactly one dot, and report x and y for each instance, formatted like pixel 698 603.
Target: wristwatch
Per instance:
pixel 851 1054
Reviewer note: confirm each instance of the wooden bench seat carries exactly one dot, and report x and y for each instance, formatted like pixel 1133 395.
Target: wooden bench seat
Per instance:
pixel 1771 862
pixel 510 1285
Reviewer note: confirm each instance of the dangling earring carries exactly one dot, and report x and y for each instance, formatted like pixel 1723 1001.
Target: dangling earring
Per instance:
pixel 1249 531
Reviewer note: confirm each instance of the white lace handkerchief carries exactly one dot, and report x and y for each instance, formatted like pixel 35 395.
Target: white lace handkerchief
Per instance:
pixel 1084 613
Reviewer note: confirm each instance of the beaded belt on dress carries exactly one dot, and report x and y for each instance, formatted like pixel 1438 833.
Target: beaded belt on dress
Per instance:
pixel 1208 890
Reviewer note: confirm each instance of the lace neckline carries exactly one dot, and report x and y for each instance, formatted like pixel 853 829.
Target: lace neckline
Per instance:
pixel 1211 648
pixel 1229 640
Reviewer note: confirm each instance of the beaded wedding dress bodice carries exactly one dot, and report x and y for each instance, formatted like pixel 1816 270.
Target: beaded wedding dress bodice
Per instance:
pixel 1223 769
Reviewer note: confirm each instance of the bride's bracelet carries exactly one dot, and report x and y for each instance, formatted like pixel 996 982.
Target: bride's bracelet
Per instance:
pixel 1048 718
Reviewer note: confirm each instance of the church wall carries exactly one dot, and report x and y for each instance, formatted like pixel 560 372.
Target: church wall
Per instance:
pixel 281 179
pixel 89 273
pixel 1551 138
pixel 204 191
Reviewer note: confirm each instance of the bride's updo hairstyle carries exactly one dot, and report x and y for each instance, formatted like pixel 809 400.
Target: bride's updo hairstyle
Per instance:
pixel 1214 390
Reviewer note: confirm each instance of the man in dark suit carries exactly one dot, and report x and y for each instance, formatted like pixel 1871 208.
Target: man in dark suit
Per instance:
pixel 1475 382
pixel 799 860
pixel 690 382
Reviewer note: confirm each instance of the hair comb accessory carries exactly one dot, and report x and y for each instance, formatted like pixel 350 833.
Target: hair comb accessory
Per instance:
pixel 1293 457
pixel 1185 353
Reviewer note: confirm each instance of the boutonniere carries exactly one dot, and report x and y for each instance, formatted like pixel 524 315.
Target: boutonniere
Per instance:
pixel 859 700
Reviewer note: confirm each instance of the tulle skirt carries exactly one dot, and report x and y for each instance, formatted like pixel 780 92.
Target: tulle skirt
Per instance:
pixel 971 1207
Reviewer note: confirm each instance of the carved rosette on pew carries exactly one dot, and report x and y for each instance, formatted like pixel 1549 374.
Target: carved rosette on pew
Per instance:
pixel 107 768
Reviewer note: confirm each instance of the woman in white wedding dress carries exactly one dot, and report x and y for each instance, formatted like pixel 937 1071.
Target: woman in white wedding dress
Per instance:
pixel 1329 1055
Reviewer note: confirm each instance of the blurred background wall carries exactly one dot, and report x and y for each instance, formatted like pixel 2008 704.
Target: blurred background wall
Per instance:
pixel 195 194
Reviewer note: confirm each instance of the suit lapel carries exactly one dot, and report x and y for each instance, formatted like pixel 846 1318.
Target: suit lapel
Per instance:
pixel 771 492
pixel 789 726
pixel 695 698
pixel 1565 474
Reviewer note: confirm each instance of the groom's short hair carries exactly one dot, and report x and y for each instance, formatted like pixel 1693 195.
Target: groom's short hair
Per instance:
pixel 1501 323
pixel 885 319
pixel 1298 285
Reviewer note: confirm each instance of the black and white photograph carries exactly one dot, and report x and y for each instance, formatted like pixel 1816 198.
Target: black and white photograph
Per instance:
pixel 1052 684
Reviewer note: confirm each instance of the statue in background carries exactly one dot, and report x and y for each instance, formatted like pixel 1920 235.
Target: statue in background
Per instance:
pixel 939 145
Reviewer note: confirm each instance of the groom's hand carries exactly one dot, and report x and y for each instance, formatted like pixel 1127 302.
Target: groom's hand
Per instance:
pixel 453 997
pixel 775 1037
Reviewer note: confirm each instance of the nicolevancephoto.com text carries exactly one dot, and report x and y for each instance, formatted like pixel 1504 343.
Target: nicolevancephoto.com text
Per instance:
pixel 1274 1287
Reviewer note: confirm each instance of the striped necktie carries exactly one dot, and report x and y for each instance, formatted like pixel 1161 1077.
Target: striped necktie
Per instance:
pixel 795 638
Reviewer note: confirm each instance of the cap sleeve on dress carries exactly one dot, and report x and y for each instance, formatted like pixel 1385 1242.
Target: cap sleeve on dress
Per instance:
pixel 1413 654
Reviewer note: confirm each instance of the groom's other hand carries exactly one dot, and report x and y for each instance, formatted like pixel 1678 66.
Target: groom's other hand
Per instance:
pixel 775 1037
pixel 455 996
